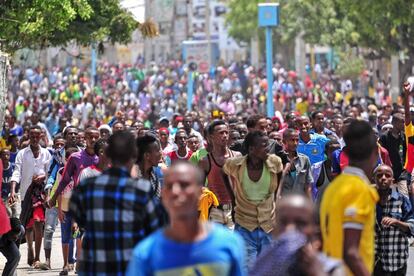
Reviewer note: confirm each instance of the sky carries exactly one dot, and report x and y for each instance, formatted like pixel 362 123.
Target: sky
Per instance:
pixel 136 7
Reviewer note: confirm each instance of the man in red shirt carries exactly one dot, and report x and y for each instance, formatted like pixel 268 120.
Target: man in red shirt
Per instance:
pixel 182 152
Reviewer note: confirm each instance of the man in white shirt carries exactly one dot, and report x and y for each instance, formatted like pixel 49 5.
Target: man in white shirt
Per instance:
pixel 30 171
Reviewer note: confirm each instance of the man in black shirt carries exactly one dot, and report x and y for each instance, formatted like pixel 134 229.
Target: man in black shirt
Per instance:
pixel 394 142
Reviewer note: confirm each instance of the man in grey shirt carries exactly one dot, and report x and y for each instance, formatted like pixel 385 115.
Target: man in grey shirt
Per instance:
pixel 297 173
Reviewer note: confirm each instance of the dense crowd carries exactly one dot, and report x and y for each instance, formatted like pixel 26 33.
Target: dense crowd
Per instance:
pixel 142 186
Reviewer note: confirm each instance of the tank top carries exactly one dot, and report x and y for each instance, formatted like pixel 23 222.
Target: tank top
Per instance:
pixel 216 182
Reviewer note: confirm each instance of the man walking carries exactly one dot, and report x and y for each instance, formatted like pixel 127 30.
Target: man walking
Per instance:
pixel 212 166
pixel 115 210
pixel 255 180
pixel 30 171
pixel 200 248
pixel 394 224
pixel 347 212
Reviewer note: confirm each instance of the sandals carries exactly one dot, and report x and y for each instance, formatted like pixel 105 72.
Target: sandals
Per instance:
pixel 65 271
pixel 37 264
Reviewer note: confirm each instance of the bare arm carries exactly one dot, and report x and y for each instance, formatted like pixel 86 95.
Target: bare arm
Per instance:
pixel 406 88
pixel 352 258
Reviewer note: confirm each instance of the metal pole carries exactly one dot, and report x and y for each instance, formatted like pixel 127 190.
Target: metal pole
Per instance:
pixel 93 64
pixel 208 32
pixel 269 72
pixel 190 90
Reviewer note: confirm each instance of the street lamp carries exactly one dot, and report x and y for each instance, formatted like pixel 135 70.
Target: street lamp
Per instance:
pixel 268 18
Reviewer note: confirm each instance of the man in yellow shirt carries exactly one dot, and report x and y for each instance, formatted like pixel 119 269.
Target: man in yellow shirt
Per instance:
pixel 347 212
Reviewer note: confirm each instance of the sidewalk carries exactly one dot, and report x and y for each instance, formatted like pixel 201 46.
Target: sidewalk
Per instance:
pixel 57 259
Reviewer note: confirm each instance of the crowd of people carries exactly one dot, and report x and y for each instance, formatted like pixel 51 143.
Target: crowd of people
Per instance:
pixel 142 186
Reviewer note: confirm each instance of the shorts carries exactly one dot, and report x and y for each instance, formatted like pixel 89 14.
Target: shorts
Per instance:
pixel 37 215
pixel 66 228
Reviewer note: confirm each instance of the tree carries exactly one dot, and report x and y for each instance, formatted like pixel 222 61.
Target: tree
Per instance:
pixel 384 26
pixel 39 23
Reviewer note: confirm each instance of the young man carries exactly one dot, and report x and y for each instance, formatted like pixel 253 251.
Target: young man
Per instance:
pixel 347 212
pixel 254 181
pixel 212 165
pixel 394 142
pixel 394 224
pixel 297 177
pixel 115 210
pixel 77 162
pixel 8 169
pixel 312 145
pixel 318 124
pixel 103 163
pixel 182 152
pixel 199 248
pixel 295 250
pixel 30 171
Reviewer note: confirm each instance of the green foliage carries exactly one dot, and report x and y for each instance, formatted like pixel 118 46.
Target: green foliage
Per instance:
pixel 350 66
pixel 387 26
pixel 40 23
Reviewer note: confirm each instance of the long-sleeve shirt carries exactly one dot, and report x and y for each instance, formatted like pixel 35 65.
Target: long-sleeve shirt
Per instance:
pixel 27 166
pixel 75 164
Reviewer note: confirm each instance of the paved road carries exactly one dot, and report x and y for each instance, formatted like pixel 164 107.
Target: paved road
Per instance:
pixel 57 260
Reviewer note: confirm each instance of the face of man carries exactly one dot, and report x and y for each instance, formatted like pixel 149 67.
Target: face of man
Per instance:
pixel 233 137
pixel 261 125
pixel 276 136
pixel 260 149
pixel 164 136
pixel 318 122
pixel 291 142
pixel 72 136
pixel 303 125
pixel 118 127
pixel 188 122
pixel 220 135
pixel 382 119
pixel 59 143
pixel 193 144
pixel 91 136
pixel 181 192
pixel 5 155
pixel 181 139
pixel 398 124
pixel 34 118
pixel 338 124
pixel 104 133
pixel 154 154
pixel 35 135
pixel 242 129
pixel 296 215
pixel 383 178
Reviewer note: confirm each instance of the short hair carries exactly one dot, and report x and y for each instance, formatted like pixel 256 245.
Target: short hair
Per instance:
pixel 213 124
pixel 58 136
pixel 192 136
pixel 199 175
pixel 90 129
pixel 330 143
pixel 253 120
pixel 251 139
pixel 99 145
pixel 360 140
pixel 288 133
pixel 121 147
pixel 11 137
pixel 143 144
pixel 35 127
pixel 69 151
pixel 314 113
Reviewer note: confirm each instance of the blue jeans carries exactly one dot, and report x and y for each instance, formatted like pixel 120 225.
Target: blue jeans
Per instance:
pixel 66 228
pixel 50 226
pixel 256 241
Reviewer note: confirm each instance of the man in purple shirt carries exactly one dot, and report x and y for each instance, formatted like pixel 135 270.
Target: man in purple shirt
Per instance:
pixel 77 161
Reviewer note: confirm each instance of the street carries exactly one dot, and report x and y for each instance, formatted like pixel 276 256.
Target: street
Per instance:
pixel 57 262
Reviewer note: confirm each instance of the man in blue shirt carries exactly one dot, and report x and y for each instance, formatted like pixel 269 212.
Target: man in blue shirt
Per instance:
pixel 311 145
pixel 198 248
